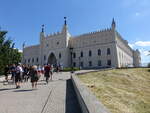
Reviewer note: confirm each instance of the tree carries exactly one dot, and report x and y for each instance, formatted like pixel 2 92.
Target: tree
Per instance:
pixel 8 55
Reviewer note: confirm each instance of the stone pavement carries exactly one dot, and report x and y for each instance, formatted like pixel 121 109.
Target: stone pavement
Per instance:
pixel 56 97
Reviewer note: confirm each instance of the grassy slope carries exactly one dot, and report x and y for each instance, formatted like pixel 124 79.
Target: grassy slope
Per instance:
pixel 121 90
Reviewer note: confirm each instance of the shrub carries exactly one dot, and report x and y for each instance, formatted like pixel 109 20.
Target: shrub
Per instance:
pixel 70 69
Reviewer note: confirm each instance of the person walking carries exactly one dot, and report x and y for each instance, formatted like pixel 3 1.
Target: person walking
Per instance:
pixel 6 72
pixel 18 75
pixel 13 72
pixel 47 72
pixel 34 76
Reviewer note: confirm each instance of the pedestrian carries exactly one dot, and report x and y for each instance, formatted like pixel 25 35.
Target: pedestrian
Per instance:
pixel 18 75
pixel 26 73
pixel 47 72
pixel 6 72
pixel 39 71
pixel 13 72
pixel 34 76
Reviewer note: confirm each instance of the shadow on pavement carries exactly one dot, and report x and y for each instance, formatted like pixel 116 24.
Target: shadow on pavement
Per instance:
pixel 72 105
pixel 5 89
pixel 23 90
pixel 41 83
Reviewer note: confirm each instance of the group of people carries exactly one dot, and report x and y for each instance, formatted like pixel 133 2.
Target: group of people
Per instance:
pixel 21 73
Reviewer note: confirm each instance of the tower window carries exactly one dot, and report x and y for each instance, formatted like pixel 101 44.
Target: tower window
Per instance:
pixel 99 52
pixel 59 55
pixel 74 55
pixel 44 57
pixel 81 54
pixel 90 53
pixel 108 51
pixel 57 43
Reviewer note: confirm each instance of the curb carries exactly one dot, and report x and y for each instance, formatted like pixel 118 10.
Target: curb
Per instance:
pixel 88 102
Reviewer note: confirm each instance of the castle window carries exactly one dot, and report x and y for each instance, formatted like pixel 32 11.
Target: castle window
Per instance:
pixel 44 57
pixel 37 59
pixel 99 63
pixel 90 53
pixel 81 54
pixel 90 63
pixel 109 62
pixel 59 55
pixel 81 64
pixel 99 52
pixel 74 55
pixel 74 64
pixel 29 60
pixel 108 51
pixel 25 61
pixel 32 60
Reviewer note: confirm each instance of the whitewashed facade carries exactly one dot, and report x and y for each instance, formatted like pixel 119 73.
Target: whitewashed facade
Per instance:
pixel 105 48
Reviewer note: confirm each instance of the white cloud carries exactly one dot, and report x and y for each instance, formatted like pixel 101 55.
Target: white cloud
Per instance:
pixel 137 14
pixel 144 52
pixel 144 56
pixel 142 43
pixel 20 51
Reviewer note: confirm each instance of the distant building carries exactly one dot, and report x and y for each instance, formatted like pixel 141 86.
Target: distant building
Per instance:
pixel 105 48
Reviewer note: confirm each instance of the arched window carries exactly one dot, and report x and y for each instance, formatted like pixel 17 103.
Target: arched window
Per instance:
pixel 29 60
pixel 74 64
pixel 109 62
pixel 108 51
pixel 99 52
pixel 37 59
pixel 59 55
pixel 90 63
pixel 81 54
pixel 90 53
pixel 25 61
pixel 32 60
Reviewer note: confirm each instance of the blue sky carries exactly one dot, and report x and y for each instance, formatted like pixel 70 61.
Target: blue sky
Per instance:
pixel 23 19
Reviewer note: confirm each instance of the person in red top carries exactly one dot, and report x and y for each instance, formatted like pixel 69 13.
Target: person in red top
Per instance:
pixel 47 72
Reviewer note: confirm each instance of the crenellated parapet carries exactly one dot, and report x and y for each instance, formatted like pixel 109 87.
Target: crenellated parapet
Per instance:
pixel 53 34
pixel 107 30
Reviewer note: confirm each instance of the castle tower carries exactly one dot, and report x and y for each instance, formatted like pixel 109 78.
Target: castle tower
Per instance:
pixel 65 31
pixel 113 25
pixel 65 28
pixel 41 44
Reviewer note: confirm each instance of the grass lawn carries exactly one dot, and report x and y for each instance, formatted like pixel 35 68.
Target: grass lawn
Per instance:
pixel 121 90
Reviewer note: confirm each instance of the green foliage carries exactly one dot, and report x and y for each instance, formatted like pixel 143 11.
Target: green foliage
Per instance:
pixel 8 55
pixel 70 69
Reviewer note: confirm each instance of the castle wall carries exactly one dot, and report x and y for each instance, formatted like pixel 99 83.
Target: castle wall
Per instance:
pixel 124 52
pixel 94 41
pixel 30 53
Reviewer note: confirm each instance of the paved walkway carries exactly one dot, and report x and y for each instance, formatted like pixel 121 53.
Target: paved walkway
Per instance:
pixel 56 97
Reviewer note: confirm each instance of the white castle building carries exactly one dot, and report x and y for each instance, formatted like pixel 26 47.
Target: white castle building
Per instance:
pixel 105 48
